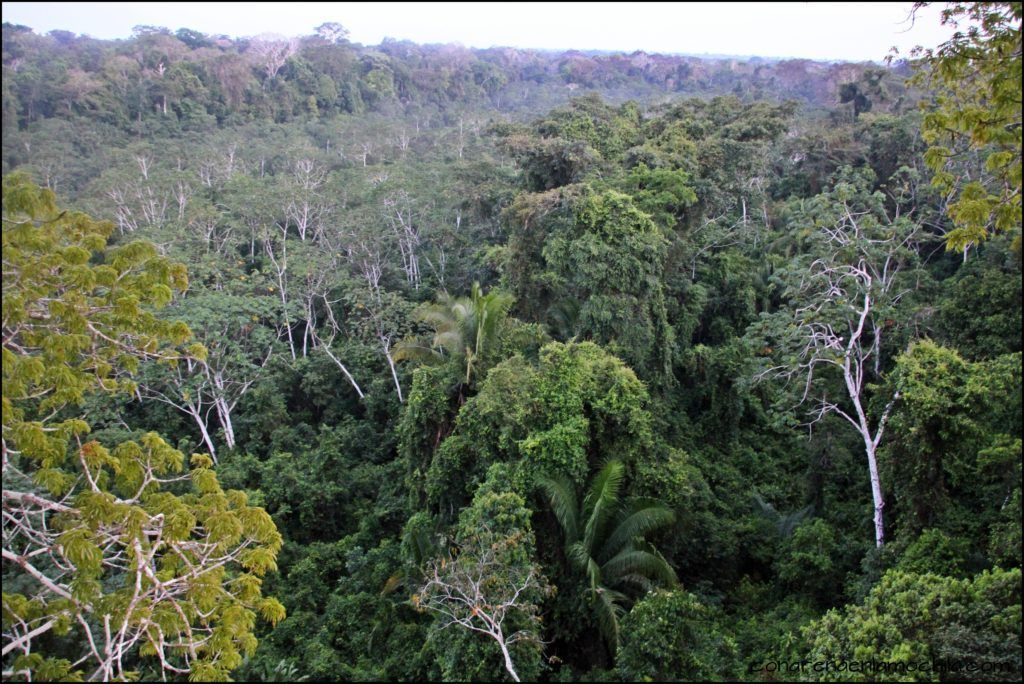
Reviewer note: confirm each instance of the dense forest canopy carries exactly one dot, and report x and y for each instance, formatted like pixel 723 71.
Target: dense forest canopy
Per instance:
pixel 324 361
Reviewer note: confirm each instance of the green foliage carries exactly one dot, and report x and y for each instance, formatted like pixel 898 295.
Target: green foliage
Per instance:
pixel 981 315
pixel 605 543
pixel 426 421
pixel 467 328
pixel 949 460
pixel 976 77
pixel 489 588
pixel 598 253
pixel 912 618
pixel 664 194
pixel 326 209
pixel 936 552
pixel 673 636
pixel 123 539
pixel 809 561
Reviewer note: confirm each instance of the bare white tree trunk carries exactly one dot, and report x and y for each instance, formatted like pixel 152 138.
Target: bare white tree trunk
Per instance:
pixel 500 638
pixel 281 269
pixel 203 429
pixel 399 214
pixel 385 343
pixel 850 293
pixel 341 366
pixel 182 192
pixel 188 400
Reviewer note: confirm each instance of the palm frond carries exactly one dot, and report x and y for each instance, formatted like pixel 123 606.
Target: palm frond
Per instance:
pixel 763 508
pixel 492 314
pixel 450 340
pixel 601 499
pixel 785 523
pixel 564 316
pixel 437 316
pixel 644 584
pixel 578 555
pixel 609 610
pixel 421 545
pixel 593 577
pixel 644 562
pixel 414 349
pixel 790 521
pixel 563 503
pixel 645 517
pixel 394 582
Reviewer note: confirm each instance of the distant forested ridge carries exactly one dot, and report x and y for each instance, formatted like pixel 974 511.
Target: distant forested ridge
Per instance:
pixel 183 80
pixel 335 362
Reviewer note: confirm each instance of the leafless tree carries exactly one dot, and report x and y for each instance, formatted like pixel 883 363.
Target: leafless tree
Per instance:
pixel 849 294
pixel 335 328
pixel 182 386
pixel 271 51
pixel 307 209
pixel 183 192
pixel 277 252
pixel 477 590
pixel 398 212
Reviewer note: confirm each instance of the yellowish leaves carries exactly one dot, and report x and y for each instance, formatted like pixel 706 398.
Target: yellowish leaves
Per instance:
pixel 247 587
pixel 18 607
pixel 203 671
pixel 81 550
pixel 148 649
pixel 135 522
pixel 98 508
pixel 237 499
pixel 271 610
pixel 179 525
pixel 259 560
pixel 71 328
pixel 55 481
pixel 95 455
pixel 225 529
pixel 160 295
pixel 201 461
pixel 179 333
pixel 205 481
pixel 258 524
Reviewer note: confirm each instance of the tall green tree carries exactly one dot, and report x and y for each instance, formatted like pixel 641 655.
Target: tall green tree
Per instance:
pixel 971 626
pixel 953 458
pixel 674 636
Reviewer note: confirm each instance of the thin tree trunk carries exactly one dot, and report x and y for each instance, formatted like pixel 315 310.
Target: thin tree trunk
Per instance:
pixel 344 370
pixel 224 414
pixel 508 658
pixel 394 373
pixel 204 431
pixel 871 443
pixel 876 492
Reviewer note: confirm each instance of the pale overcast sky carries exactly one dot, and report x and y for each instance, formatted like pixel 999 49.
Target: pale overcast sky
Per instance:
pixel 836 30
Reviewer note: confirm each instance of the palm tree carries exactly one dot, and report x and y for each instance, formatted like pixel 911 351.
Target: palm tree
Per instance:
pixel 464 327
pixel 604 542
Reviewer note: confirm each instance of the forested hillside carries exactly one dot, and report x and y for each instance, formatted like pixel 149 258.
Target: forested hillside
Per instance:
pixel 324 361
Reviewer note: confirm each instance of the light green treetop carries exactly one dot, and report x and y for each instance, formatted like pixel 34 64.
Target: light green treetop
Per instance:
pixel 108 563
pixel 974 129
